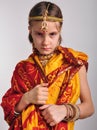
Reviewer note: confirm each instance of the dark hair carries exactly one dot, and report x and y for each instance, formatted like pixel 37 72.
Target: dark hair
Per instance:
pixel 40 8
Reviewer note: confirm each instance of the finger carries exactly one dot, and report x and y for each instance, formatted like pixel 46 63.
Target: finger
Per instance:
pixel 52 123
pixel 44 106
pixel 48 118
pixel 42 98
pixel 43 90
pixel 41 102
pixel 44 84
pixel 45 94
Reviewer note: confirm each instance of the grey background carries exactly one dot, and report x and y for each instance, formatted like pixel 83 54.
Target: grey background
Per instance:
pixel 79 32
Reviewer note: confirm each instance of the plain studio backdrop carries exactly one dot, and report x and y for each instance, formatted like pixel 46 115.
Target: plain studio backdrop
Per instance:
pixel 79 32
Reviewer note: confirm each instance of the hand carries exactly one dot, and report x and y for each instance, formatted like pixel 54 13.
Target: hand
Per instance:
pixel 38 95
pixel 53 114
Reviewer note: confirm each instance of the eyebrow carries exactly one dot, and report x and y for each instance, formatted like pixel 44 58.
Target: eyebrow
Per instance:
pixel 39 31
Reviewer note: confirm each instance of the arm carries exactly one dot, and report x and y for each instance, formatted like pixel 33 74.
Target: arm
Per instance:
pixel 86 105
pixel 55 113
pixel 18 97
pixel 38 95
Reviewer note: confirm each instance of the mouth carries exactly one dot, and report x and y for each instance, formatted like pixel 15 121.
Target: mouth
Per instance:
pixel 46 48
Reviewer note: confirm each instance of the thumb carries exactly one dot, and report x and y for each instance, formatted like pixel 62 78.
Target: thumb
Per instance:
pixel 44 106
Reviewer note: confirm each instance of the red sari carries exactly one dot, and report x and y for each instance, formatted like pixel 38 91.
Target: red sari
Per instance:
pixel 61 72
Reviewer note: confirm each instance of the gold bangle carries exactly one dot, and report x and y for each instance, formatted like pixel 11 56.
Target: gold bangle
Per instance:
pixel 67 115
pixel 16 113
pixel 77 113
pixel 73 112
pixel 69 108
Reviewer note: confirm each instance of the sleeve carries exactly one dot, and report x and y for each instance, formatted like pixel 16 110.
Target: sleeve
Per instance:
pixel 19 85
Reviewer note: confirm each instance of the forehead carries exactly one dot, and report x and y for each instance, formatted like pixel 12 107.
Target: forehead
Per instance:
pixel 52 26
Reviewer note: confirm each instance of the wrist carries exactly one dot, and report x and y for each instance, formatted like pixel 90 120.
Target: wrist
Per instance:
pixel 22 104
pixel 26 98
pixel 73 112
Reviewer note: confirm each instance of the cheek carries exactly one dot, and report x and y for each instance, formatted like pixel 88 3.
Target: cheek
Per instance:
pixel 34 39
pixel 37 43
pixel 56 40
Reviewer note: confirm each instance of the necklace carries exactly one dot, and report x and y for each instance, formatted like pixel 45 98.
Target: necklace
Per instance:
pixel 45 58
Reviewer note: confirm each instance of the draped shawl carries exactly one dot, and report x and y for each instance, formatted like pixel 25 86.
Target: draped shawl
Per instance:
pixel 61 73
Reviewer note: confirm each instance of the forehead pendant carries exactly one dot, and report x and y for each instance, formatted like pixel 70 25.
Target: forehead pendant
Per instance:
pixel 44 25
pixel 44 18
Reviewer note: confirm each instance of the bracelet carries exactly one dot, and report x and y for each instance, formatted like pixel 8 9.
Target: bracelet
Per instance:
pixel 77 113
pixel 68 117
pixel 16 113
pixel 73 112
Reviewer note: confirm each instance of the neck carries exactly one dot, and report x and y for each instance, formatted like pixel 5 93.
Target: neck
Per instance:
pixel 45 58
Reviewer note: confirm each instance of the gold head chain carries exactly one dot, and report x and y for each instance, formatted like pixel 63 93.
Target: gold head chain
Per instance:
pixel 45 18
pixel 44 25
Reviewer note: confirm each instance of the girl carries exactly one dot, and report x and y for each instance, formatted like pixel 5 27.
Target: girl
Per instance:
pixel 46 86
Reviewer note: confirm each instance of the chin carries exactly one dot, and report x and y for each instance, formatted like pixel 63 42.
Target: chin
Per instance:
pixel 45 53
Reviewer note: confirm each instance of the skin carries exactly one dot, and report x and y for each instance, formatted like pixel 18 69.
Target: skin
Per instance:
pixel 46 42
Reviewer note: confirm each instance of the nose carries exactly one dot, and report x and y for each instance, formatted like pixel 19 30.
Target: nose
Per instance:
pixel 45 40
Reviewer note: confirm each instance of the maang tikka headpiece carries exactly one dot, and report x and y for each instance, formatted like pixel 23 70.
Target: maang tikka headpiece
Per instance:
pixel 45 18
pixel 44 25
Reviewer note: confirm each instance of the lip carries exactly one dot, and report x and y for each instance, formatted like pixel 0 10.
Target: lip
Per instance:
pixel 45 48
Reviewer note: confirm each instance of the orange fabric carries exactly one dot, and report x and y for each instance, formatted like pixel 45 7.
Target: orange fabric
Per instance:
pixel 61 74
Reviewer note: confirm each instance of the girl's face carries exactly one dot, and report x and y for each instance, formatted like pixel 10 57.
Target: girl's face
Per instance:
pixel 45 42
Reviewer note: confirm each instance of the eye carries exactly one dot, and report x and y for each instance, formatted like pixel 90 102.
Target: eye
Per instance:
pixel 39 34
pixel 53 34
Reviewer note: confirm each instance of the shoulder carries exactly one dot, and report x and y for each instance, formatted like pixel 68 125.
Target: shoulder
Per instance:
pixel 74 57
pixel 24 63
pixel 78 54
pixel 73 53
